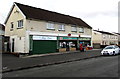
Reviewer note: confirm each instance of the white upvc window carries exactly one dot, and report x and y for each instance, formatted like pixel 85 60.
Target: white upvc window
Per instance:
pixel 104 36
pixel 81 30
pixel 50 26
pixel 20 23
pixel 61 27
pixel 73 28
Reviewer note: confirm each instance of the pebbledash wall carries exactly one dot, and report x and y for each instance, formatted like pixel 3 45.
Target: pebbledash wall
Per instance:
pixel 34 38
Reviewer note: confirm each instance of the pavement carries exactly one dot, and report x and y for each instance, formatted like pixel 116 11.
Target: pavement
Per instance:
pixel 11 62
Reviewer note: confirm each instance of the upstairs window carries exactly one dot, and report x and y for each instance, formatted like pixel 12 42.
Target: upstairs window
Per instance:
pixel 12 25
pixel 50 26
pixel 20 23
pixel 81 30
pixel 61 27
pixel 104 36
pixel 74 29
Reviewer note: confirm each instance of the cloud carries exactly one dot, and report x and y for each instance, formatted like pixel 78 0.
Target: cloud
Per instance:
pixel 97 13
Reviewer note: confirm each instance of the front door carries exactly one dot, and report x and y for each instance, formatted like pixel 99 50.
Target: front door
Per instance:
pixel 13 42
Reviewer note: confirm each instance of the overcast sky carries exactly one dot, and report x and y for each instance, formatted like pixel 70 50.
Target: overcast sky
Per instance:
pixel 102 14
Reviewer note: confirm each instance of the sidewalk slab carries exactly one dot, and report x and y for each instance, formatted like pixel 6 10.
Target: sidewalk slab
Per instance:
pixel 12 63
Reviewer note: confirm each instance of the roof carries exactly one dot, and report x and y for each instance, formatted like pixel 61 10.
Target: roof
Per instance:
pixel 117 33
pixel 103 32
pixel 2 26
pixel 41 14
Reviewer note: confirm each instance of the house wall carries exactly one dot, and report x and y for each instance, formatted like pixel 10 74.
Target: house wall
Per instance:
pixel 119 39
pixel 40 26
pixel 19 44
pixel 18 34
pixel 14 17
pixel 96 37
pixel 104 39
pixel 113 39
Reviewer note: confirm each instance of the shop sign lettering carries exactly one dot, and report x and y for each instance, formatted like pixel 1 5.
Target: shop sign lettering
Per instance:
pixel 44 38
pixel 67 38
pixel 84 38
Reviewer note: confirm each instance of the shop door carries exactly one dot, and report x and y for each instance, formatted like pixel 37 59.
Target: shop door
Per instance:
pixel 67 46
pixel 42 47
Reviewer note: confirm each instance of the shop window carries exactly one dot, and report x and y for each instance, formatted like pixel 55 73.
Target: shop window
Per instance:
pixel 61 27
pixel 50 26
pixel 72 44
pixel 62 44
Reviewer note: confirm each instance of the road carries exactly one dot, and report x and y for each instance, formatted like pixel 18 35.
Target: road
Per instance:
pixel 104 66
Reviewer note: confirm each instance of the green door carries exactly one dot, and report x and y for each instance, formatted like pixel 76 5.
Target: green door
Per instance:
pixel 44 46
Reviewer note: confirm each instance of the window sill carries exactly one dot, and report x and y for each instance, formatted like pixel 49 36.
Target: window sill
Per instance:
pixel 74 31
pixel 50 29
pixel 11 29
pixel 61 30
pixel 81 32
pixel 19 27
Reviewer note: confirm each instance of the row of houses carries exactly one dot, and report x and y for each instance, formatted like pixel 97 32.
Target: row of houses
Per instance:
pixel 102 38
pixel 34 30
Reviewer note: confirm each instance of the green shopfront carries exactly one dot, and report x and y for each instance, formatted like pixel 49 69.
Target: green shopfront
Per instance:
pixel 43 44
pixel 51 44
pixel 67 43
pixel 85 41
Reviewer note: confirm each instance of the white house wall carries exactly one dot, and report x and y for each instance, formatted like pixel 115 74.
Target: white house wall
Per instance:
pixel 40 26
pixel 19 44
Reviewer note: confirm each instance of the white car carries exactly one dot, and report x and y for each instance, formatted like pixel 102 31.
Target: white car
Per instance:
pixel 110 50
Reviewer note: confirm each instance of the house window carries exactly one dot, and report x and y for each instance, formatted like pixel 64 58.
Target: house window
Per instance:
pixel 61 27
pixel 50 26
pixel 20 23
pixel 81 30
pixel 74 29
pixel 12 25
pixel 104 36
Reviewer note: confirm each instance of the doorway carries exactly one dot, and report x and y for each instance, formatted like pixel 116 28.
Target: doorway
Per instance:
pixel 13 44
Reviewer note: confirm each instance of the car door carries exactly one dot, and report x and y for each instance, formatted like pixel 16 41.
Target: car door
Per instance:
pixel 117 49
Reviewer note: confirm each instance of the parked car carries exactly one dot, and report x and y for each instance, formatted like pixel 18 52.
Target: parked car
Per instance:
pixel 110 50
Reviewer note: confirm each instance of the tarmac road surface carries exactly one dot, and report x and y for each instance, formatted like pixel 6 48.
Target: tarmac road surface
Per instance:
pixel 104 66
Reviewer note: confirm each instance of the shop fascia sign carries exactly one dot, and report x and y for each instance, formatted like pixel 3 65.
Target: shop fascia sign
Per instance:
pixel 84 38
pixel 67 38
pixel 44 38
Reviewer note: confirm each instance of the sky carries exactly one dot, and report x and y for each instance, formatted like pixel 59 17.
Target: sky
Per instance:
pixel 99 14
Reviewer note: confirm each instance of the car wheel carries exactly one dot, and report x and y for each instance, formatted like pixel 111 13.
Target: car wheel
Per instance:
pixel 114 53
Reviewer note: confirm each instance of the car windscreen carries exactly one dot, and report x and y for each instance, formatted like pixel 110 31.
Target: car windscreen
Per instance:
pixel 109 47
